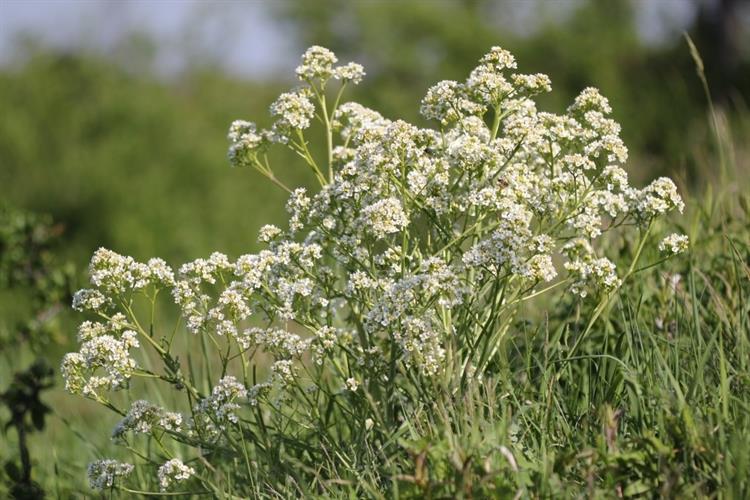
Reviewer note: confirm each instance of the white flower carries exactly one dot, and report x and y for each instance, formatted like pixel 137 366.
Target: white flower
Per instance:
pixel 144 416
pixel 351 72
pixel 103 473
pixel 657 198
pixel 385 217
pixel 173 471
pixel 268 233
pixel 280 342
pixel 674 244
pixel 488 85
pixel 103 362
pixel 89 300
pixel 590 99
pixel 352 384
pixel 317 64
pixel 540 268
pixel 282 372
pixel 421 345
pixel 532 84
pixel 221 405
pixel 447 102
pixel 160 273
pixel 352 118
pixel 499 58
pixel 89 330
pixel 245 139
pixel 293 110
pixel 115 273
pixel 589 272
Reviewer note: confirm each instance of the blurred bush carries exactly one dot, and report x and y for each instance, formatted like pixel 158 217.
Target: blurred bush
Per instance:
pixel 131 162
pixel 34 285
pixel 35 288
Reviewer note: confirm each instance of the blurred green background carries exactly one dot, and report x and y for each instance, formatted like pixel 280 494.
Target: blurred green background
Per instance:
pixel 113 120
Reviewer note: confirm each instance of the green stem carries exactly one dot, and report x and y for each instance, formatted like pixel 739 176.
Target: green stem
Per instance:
pixel 607 299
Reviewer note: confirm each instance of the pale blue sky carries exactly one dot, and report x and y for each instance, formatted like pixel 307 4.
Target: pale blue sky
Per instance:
pixel 241 36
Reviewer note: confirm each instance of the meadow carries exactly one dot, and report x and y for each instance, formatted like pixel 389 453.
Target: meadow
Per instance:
pixel 480 298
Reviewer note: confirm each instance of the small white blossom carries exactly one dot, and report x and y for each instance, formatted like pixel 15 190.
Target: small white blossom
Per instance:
pixel 657 198
pixel 104 473
pixel 221 406
pixel 352 384
pixel 351 72
pixel 244 140
pixel 268 233
pixel 293 110
pixel 447 102
pixel 590 99
pixel 173 471
pixel 89 300
pixel 499 58
pixel 317 64
pixel 674 244
pixel 532 84
pixel 385 217
pixel 103 362
pixel 143 417
pixel 115 273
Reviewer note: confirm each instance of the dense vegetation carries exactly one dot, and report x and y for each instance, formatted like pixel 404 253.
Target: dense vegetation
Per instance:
pixel 654 399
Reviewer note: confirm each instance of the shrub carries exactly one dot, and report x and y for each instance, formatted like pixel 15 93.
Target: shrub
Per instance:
pixel 367 349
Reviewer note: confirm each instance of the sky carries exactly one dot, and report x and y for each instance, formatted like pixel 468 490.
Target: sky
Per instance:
pixel 242 37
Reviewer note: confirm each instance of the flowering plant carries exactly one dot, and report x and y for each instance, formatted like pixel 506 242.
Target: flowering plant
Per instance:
pixel 395 289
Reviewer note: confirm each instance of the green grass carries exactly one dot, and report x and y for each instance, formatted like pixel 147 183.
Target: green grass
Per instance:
pixel 654 403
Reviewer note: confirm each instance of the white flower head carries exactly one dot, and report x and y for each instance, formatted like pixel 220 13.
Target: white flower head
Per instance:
pixel 590 100
pixel 447 102
pixel 221 406
pixel 143 417
pixel 532 84
pixel 245 140
pixel 499 58
pixel 351 72
pixel 293 110
pixel 317 64
pixel 385 217
pixel 88 299
pixel 656 199
pixel 674 244
pixel 352 384
pixel 104 473
pixel 268 233
pixel 173 471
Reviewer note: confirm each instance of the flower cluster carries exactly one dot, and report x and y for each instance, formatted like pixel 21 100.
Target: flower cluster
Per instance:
pixel 674 244
pixel 173 471
pixel 115 275
pixel 294 110
pixel 102 362
pixel 588 271
pixel 406 266
pixel 103 473
pixel 143 417
pixel 219 409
